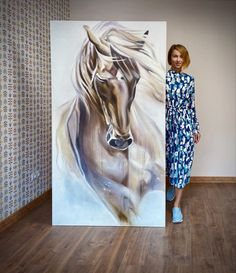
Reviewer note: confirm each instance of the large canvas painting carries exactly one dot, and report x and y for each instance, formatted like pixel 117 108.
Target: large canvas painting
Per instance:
pixel 108 123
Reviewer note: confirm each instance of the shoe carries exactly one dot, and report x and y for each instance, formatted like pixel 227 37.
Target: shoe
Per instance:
pixel 170 196
pixel 177 216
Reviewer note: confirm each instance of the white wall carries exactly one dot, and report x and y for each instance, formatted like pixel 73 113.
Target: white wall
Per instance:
pixel 207 29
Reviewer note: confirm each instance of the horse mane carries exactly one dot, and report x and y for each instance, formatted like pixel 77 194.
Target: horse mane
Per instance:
pixel 126 43
pixel 130 43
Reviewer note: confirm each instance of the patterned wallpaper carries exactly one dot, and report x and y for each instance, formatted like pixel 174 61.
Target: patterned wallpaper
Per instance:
pixel 25 99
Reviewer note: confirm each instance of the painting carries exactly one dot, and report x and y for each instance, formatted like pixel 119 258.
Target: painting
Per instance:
pixel 108 123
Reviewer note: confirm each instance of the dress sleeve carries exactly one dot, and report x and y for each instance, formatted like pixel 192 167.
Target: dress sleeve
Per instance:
pixel 196 127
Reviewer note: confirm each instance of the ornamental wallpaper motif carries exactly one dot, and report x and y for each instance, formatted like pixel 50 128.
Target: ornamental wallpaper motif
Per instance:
pixel 25 99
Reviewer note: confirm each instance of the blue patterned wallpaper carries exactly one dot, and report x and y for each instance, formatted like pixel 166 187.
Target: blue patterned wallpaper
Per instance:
pixel 25 99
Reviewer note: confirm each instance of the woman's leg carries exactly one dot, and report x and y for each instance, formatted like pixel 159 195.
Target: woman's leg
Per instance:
pixel 178 197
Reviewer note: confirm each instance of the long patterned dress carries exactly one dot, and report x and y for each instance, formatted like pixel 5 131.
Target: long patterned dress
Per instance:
pixel 181 123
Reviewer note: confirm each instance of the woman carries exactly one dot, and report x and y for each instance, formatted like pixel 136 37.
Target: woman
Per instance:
pixel 182 126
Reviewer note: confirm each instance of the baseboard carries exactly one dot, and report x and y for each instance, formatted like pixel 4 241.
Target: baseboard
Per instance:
pixel 16 216
pixel 210 179
pixel 213 179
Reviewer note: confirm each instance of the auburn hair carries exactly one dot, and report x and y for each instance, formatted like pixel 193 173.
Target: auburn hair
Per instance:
pixel 184 53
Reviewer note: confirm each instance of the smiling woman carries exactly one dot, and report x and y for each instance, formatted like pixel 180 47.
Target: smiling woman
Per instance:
pixel 178 57
pixel 182 126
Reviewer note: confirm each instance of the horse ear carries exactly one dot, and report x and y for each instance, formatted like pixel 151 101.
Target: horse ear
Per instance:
pixel 101 47
pixel 146 33
pixel 144 36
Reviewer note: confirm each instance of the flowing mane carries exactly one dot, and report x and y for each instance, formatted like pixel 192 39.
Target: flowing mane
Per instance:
pixel 128 43
pixel 113 120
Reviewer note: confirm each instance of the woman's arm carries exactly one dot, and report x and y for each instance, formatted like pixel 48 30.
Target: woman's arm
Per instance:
pixel 196 126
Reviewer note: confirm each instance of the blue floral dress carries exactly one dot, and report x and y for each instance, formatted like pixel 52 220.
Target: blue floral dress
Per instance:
pixel 181 123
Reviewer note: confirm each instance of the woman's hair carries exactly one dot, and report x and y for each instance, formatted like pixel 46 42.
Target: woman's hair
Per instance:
pixel 184 52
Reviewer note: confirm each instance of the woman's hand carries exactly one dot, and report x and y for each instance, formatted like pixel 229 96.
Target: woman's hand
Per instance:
pixel 196 137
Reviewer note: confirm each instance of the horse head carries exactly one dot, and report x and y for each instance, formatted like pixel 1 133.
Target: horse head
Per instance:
pixel 108 68
pixel 115 83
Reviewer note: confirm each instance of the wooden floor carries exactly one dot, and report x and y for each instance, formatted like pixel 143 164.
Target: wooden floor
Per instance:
pixel 204 243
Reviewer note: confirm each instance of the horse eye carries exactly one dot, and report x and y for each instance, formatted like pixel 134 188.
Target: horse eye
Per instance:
pixel 119 75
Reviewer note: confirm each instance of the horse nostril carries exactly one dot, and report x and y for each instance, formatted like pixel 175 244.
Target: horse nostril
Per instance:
pixel 120 143
pixel 130 140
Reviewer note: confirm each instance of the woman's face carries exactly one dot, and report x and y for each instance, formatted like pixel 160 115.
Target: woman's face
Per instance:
pixel 176 60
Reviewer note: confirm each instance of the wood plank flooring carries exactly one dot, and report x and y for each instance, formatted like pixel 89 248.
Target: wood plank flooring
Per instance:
pixel 204 243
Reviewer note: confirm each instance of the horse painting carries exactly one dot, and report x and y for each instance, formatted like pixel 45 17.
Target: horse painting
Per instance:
pixel 109 135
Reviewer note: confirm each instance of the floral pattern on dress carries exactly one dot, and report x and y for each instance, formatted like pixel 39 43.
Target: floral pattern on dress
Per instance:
pixel 181 124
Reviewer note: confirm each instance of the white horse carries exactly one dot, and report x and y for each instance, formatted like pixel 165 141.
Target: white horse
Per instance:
pixel 110 135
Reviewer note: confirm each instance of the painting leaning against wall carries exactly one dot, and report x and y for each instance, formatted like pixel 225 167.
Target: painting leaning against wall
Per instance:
pixel 108 123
